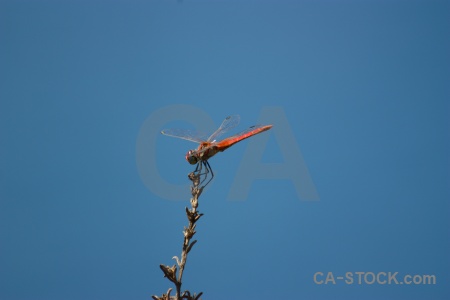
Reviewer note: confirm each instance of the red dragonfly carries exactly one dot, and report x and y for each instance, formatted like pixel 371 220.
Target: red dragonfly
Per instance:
pixel 210 147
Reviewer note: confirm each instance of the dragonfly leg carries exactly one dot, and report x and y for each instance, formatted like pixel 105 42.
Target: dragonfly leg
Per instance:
pixel 198 171
pixel 204 163
pixel 197 168
pixel 208 170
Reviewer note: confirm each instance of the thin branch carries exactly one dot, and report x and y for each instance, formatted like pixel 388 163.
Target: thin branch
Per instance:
pixel 171 272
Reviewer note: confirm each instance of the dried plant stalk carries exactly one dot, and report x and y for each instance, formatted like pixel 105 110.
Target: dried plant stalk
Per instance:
pixel 171 272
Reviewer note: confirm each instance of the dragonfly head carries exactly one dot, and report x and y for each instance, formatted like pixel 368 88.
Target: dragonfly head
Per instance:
pixel 191 157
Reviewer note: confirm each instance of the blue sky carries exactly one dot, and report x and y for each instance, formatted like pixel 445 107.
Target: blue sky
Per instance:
pixel 363 85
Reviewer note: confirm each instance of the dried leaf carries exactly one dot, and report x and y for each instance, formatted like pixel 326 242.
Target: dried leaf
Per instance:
pixel 190 246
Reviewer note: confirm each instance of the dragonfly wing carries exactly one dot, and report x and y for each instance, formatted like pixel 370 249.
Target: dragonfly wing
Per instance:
pixel 185 134
pixel 229 123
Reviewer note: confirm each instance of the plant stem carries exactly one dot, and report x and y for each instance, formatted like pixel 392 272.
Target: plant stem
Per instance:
pixel 193 216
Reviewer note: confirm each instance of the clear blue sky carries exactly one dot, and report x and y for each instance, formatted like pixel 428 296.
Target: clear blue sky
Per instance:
pixel 364 85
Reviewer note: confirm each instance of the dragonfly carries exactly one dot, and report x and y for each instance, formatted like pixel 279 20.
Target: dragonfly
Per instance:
pixel 208 147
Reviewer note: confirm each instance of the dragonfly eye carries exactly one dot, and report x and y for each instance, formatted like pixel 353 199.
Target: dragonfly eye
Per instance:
pixel 191 158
